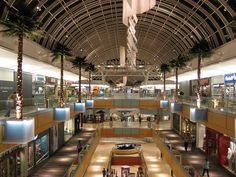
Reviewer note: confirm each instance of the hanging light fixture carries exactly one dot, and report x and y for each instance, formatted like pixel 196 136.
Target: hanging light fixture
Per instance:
pixel 130 9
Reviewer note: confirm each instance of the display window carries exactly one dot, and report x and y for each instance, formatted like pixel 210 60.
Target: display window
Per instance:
pixel 41 148
pixel 11 164
pixel 188 128
pixel 231 156
pixel 30 155
pixel 69 129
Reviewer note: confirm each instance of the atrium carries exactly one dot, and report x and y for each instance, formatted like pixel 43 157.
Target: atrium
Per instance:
pixel 117 88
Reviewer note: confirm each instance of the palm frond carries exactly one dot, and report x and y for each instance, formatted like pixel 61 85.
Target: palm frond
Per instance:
pixel 60 50
pixel 78 61
pixel 201 48
pixel 164 67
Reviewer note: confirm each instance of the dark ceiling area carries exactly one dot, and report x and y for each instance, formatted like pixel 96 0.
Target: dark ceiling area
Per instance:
pixel 94 28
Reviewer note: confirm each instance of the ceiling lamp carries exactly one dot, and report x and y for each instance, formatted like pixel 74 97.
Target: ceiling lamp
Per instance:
pixel 130 9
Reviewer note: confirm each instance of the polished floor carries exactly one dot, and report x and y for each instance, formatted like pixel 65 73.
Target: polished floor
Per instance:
pixel 195 158
pixel 156 166
pixel 58 164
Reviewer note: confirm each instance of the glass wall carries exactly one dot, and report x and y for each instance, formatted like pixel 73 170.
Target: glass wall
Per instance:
pixel 69 129
pixel 41 148
pixel 11 163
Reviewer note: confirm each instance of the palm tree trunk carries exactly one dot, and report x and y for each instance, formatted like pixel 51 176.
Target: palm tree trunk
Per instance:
pixel 61 83
pixel 199 74
pixel 90 83
pixel 176 83
pixel 79 95
pixel 164 78
pixel 19 96
pixel 198 81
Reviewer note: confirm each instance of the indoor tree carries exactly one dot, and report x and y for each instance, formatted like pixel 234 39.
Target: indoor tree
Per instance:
pixel 61 52
pixel 164 68
pixel 90 68
pixel 201 50
pixel 79 63
pixel 176 64
pixel 22 22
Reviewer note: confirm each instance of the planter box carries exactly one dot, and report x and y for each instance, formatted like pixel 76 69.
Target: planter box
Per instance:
pixel 79 107
pixel 18 131
pixel 164 103
pixel 61 114
pixel 89 103
pixel 176 107
pixel 198 114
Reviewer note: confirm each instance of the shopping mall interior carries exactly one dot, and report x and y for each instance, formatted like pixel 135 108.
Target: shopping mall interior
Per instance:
pixel 117 88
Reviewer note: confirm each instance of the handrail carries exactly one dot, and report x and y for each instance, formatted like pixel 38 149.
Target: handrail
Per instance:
pixel 144 164
pixel 169 157
pixel 82 168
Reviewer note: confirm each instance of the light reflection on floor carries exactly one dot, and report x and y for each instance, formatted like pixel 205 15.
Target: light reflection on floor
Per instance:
pixel 101 157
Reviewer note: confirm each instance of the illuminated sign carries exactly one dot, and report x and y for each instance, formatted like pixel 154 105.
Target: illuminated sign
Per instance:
pixel 230 77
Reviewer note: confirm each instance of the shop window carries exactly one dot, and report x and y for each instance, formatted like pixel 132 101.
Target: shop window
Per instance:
pixel 41 148
pixel 31 155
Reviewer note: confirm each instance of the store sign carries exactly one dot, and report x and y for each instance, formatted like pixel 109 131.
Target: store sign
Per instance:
pixel 230 77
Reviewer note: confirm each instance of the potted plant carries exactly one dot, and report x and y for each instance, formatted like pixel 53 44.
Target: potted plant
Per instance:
pixel 164 68
pixel 177 64
pixel 61 52
pixel 201 50
pixel 22 22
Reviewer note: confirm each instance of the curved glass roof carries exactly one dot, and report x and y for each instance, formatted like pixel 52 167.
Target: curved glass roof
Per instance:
pixel 168 29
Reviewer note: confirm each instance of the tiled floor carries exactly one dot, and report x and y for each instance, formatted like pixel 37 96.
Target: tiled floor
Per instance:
pixel 195 158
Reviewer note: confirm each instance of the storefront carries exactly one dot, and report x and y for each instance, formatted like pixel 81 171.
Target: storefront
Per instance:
pixel 188 128
pixel 53 139
pixel 69 129
pixel 200 135
pixel 231 156
pixel 210 141
pixel 205 86
pixel 217 86
pixel 230 85
pixel 50 87
pixel 12 163
pixel 38 149
pixel 176 122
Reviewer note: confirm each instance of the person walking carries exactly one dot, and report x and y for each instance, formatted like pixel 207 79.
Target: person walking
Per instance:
pixel 206 168
pixel 104 172
pixel 79 146
pixel 193 143
pixel 11 100
pixel 185 144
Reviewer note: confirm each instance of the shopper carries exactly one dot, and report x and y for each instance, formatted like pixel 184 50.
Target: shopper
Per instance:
pixel 206 167
pixel 186 144
pixel 193 143
pixel 104 172
pixel 11 100
pixel 108 173
pixel 79 146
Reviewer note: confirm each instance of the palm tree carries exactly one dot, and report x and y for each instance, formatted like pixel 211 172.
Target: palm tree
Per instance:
pixel 90 68
pixel 177 64
pixel 61 52
pixel 201 49
pixel 79 63
pixel 164 68
pixel 22 21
